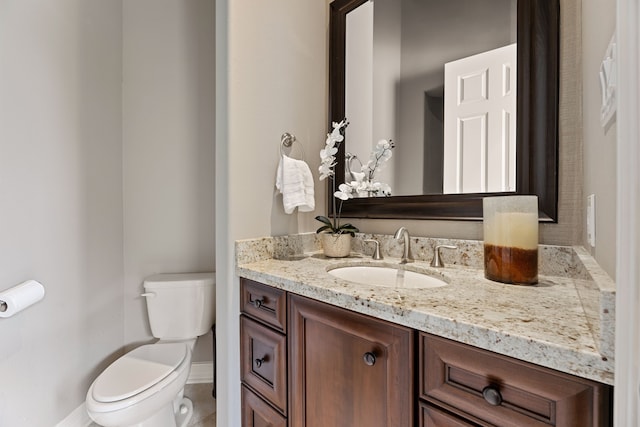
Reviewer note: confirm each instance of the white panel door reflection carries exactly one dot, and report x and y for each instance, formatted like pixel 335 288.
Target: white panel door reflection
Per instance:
pixel 480 123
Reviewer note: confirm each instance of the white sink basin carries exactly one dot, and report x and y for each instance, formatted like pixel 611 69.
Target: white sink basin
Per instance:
pixel 386 276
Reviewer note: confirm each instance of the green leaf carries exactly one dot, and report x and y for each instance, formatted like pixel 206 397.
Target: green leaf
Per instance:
pixel 348 228
pixel 324 220
pixel 323 228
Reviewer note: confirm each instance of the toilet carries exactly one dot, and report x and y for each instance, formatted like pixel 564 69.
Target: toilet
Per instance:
pixel 144 388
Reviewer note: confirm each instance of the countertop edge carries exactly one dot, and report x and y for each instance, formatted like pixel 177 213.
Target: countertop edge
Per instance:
pixel 585 364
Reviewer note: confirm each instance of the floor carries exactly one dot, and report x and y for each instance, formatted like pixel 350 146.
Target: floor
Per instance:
pixel 204 405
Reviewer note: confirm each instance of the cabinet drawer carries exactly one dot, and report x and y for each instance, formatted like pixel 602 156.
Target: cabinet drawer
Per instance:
pixel 263 366
pixel 433 417
pixel 257 413
pixel 264 303
pixel 520 393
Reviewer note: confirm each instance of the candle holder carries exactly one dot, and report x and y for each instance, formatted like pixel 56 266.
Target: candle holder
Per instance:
pixel 511 239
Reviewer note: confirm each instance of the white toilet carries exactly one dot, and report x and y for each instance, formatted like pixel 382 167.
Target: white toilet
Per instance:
pixel 144 388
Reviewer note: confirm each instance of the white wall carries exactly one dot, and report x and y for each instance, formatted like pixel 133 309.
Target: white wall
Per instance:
pixel 271 78
pixel 60 201
pixel 64 217
pixel 386 72
pixel 426 46
pixel 598 25
pixel 168 140
pixel 358 75
pixel 627 386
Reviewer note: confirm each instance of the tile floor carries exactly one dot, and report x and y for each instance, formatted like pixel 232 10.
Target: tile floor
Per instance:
pixel 204 405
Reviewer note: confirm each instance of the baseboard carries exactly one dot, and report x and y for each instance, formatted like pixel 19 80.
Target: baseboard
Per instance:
pixel 201 372
pixel 78 418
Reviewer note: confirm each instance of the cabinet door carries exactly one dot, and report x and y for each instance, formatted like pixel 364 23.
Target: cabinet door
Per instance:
pixel 347 369
pixel 256 413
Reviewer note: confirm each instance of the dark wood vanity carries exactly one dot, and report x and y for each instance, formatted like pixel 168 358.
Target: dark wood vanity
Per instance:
pixel 312 364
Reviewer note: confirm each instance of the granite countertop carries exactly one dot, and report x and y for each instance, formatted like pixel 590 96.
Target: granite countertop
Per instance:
pixel 564 323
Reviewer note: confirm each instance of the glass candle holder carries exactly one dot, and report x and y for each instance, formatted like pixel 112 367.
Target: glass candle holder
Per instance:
pixel 511 239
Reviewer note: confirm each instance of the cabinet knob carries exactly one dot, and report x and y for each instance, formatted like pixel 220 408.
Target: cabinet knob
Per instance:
pixel 492 395
pixel 258 302
pixel 259 362
pixel 369 358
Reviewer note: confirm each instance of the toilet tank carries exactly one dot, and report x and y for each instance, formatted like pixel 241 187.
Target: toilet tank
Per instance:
pixel 180 306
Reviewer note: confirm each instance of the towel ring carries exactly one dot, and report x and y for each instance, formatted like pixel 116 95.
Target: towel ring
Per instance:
pixel 287 140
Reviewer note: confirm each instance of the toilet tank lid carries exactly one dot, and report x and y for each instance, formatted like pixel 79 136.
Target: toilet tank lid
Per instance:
pixel 177 280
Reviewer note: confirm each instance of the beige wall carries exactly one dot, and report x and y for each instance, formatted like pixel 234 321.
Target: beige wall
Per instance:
pixel 168 154
pixel 60 201
pixel 271 78
pixel 599 21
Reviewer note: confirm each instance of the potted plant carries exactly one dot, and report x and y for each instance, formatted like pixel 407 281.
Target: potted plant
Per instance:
pixel 336 237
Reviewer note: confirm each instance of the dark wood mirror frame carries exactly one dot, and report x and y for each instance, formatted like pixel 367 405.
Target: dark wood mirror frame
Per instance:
pixel 538 30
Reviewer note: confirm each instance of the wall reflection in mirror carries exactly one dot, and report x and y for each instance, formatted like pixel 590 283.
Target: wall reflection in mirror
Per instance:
pixel 451 132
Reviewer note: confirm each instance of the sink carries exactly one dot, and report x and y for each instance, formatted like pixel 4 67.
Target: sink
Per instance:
pixel 386 276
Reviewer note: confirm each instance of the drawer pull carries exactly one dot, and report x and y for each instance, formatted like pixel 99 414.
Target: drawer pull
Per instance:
pixel 492 395
pixel 258 303
pixel 259 362
pixel 369 358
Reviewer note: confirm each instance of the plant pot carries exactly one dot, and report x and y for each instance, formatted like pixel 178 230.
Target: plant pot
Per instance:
pixel 336 245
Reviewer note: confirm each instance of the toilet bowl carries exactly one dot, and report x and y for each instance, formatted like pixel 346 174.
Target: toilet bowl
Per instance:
pixel 145 387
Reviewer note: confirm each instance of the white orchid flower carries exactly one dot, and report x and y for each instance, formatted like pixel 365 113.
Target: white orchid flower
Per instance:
pixel 330 141
pixel 383 144
pixel 328 152
pixel 326 170
pixel 384 188
pixel 336 134
pixel 338 125
pixel 345 192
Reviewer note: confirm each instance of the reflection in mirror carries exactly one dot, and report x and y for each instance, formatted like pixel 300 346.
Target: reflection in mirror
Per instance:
pixel 388 93
pixel 396 54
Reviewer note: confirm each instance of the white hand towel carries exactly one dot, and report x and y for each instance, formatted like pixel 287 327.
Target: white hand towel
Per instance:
pixel 295 182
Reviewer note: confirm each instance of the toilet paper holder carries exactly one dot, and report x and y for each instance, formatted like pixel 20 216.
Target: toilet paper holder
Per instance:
pixel 19 297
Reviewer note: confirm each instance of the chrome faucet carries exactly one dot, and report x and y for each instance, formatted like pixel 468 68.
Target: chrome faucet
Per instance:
pixel 437 259
pixel 377 255
pixel 403 234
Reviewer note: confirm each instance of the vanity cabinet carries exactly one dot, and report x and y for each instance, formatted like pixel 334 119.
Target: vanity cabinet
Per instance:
pixel 306 363
pixel 347 369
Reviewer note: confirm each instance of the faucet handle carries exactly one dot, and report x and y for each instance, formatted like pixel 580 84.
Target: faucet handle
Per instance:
pixel 436 261
pixel 377 255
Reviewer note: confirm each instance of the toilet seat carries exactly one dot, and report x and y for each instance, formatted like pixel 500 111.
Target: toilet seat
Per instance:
pixel 138 370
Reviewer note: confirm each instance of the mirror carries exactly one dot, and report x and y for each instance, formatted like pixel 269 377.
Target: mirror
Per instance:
pixel 535 131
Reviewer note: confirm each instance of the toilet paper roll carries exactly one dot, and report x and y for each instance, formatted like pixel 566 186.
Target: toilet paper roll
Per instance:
pixel 16 299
